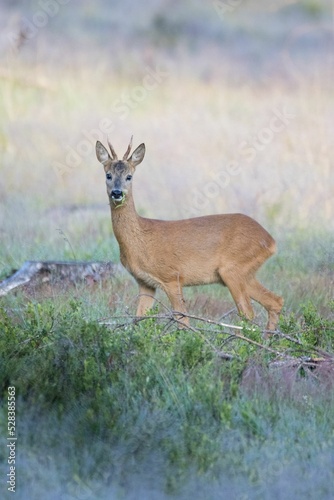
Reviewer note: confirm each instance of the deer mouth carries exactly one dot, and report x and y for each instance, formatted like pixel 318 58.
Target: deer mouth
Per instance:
pixel 118 199
pixel 117 196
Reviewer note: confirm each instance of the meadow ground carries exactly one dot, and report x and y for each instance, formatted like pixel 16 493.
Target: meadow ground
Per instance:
pixel 236 110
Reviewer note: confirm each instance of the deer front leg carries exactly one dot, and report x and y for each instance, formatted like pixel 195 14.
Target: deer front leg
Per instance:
pixel 146 299
pixel 175 295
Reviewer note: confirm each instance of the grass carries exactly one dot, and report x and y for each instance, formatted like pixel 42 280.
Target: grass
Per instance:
pixel 290 171
pixel 102 412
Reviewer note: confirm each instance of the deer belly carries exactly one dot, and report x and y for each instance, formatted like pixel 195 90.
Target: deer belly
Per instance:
pixel 199 276
pixel 148 279
pixel 187 272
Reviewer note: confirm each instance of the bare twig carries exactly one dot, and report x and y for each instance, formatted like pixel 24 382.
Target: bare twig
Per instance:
pixel 233 332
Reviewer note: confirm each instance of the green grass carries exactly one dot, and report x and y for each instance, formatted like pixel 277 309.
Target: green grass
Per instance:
pixel 105 412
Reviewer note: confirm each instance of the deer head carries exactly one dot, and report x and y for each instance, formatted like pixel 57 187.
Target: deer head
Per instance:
pixel 119 172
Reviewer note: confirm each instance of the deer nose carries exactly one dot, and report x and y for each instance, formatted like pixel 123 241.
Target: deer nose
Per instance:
pixel 116 193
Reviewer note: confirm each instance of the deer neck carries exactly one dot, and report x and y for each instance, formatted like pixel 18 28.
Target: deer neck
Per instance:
pixel 125 222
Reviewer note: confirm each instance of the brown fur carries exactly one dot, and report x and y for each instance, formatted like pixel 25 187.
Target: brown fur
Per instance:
pixel 225 249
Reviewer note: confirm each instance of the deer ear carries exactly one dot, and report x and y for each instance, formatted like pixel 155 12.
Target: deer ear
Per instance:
pixel 138 155
pixel 101 153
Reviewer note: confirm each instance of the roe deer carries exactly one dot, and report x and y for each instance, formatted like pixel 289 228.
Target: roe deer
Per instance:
pixel 226 249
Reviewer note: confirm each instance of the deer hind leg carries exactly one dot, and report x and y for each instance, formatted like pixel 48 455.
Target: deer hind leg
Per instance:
pixel 175 295
pixel 146 299
pixel 238 288
pixel 271 302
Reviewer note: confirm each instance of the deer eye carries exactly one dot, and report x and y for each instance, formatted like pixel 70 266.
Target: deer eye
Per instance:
pixel 109 176
pixel 129 177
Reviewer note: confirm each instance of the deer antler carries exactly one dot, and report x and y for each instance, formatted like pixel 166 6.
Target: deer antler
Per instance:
pixel 113 154
pixel 127 152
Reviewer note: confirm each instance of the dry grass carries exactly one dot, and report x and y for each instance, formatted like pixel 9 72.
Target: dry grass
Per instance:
pixel 193 130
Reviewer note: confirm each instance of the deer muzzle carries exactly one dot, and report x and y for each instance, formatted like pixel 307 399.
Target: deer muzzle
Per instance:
pixel 117 195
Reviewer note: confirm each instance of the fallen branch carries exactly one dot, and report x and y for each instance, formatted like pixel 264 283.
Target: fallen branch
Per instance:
pixel 37 273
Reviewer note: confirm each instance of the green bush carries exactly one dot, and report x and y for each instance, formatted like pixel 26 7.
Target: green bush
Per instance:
pixel 120 403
